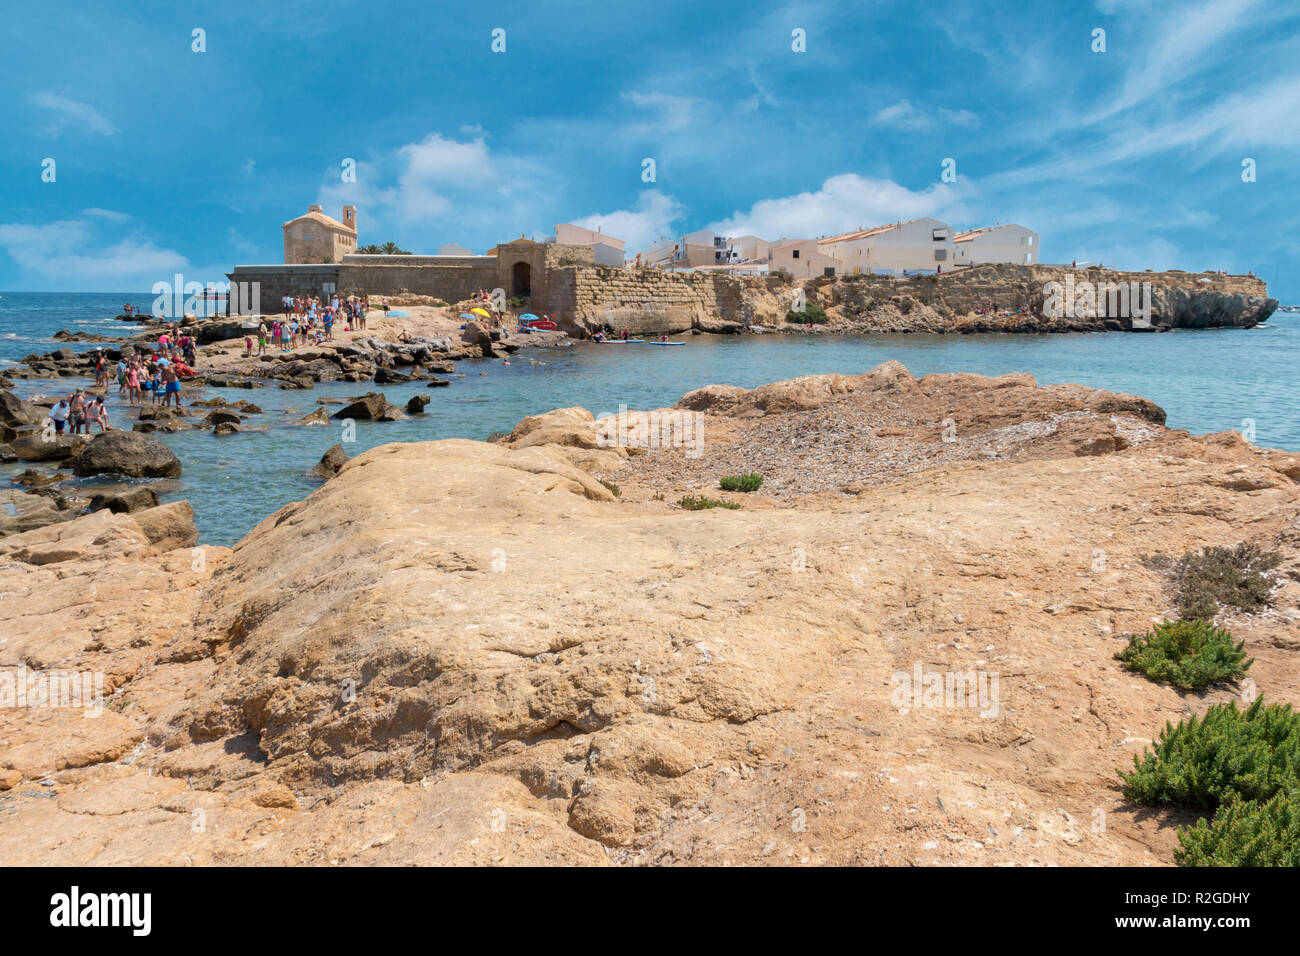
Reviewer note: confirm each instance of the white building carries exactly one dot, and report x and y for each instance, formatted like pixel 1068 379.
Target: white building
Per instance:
pixel 1010 243
pixel 605 250
pixel 802 259
pixel 920 245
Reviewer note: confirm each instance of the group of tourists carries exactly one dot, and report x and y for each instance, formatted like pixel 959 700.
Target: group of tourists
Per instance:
pixel 155 374
pixel 77 413
pixel 308 320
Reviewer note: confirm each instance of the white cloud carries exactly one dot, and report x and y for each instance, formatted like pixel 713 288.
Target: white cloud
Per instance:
pixel 843 202
pixel 76 252
pixel 651 219
pixel 70 112
pixel 903 115
pixel 108 214
pixel 442 190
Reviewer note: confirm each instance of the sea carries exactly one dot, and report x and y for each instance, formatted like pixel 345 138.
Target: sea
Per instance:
pixel 1206 380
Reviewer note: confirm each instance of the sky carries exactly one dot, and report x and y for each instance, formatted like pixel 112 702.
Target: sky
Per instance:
pixel 128 155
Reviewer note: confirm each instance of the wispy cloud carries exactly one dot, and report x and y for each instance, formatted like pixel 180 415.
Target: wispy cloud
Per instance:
pixel 84 252
pixel 903 115
pixel 68 112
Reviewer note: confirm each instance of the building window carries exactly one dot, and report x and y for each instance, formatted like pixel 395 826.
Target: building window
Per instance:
pixel 940 235
pixel 795 254
pixel 940 255
pixel 1026 240
pixel 1029 258
pixel 829 272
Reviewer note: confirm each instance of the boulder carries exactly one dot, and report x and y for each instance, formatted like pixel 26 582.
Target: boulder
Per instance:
pixel 318 417
pixel 438 383
pixel 373 406
pixel 168 526
pixel 221 416
pixel 330 463
pixel 41 446
pixel 126 453
pixel 15 413
pixel 416 405
pixel 226 428
pixel 125 499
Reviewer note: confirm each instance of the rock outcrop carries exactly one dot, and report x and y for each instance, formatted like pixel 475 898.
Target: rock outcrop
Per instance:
pixel 132 454
pixel 460 652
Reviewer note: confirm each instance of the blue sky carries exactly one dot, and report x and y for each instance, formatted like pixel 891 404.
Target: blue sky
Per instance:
pixel 168 160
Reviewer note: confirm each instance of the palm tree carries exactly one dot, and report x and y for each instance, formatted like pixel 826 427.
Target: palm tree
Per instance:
pixel 389 248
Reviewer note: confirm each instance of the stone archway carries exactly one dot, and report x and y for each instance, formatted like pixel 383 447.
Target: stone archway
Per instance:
pixel 521 280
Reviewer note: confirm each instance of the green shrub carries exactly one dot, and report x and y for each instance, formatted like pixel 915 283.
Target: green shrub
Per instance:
pixel 749 481
pixel 1187 654
pixel 1219 577
pixel 1251 754
pixel 613 488
pixel 1245 833
pixel 812 314
pixel 700 503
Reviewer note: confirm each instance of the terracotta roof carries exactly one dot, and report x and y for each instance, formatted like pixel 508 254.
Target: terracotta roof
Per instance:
pixel 793 242
pixel 323 219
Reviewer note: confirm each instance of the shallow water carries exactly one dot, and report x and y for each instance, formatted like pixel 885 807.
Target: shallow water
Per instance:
pixel 1205 380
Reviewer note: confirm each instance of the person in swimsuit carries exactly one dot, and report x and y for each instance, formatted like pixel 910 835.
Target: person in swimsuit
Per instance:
pixel 133 384
pixel 171 384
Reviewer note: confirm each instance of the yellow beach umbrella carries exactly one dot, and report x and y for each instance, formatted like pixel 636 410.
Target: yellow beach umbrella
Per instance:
pixel 482 312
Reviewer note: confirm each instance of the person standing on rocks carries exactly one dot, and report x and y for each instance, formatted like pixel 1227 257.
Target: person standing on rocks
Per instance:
pixel 171 383
pixel 59 415
pixel 77 412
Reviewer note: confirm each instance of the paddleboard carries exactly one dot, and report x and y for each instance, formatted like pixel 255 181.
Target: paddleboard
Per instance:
pixel 665 343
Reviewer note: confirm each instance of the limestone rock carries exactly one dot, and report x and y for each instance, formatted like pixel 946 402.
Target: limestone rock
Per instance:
pixel 126 453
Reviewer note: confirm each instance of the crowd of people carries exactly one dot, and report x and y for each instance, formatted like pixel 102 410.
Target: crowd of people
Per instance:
pixel 308 320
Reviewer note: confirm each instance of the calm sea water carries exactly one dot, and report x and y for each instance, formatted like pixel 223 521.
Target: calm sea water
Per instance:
pixel 1205 380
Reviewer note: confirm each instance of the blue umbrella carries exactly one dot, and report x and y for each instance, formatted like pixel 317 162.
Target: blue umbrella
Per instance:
pixel 528 315
pixel 466 315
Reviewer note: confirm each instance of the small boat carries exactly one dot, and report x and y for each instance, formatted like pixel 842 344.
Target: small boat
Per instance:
pixel 665 343
pixel 623 342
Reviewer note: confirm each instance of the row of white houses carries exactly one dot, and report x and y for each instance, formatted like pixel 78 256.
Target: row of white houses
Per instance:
pixel 920 245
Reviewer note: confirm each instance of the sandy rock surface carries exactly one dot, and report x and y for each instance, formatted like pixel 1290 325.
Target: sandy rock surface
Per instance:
pixel 459 652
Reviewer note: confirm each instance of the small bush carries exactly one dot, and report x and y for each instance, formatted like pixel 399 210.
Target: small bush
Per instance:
pixel 1245 833
pixel 1219 577
pixel 701 503
pixel 613 488
pixel 1251 754
pixel 1187 654
pixel 750 481
pixel 812 314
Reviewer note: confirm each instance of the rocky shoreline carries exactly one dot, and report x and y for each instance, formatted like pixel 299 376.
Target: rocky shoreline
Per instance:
pixel 526 651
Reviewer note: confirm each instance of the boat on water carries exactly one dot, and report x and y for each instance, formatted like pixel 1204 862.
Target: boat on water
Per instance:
pixel 621 341
pixel 665 343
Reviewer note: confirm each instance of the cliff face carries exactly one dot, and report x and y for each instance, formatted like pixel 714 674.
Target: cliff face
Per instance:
pixel 462 652
pixel 1009 298
pixel 989 298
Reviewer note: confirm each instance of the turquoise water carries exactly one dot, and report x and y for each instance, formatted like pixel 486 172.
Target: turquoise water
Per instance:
pixel 1205 380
